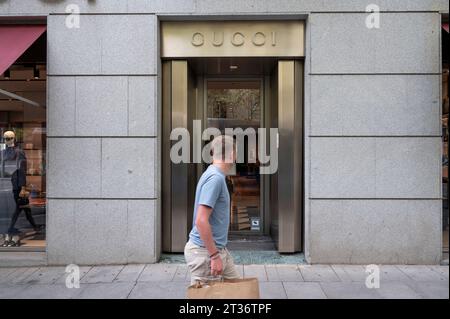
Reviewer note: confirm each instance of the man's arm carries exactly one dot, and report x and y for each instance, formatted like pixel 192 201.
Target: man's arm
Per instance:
pixel 204 228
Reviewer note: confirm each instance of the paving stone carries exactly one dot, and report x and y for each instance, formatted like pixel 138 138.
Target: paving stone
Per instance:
pixel 20 275
pixel 102 274
pixel 258 271
pixel 304 290
pixel 45 275
pixel 441 270
pixel 431 289
pixel 348 290
pixel 182 274
pixel 9 291
pixel 350 273
pixel 272 290
pixel 421 273
pixel 322 273
pixel 158 272
pixel 5 272
pixel 130 273
pixel 397 290
pixel 392 273
pixel 48 292
pixel 159 290
pixel 116 290
pixel 283 273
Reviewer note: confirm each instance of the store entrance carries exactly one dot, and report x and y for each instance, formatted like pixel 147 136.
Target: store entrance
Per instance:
pixel 243 95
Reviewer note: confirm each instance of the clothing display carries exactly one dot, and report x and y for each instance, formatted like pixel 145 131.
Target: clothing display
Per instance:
pixel 14 164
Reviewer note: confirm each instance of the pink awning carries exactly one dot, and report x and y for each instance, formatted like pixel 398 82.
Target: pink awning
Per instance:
pixel 445 26
pixel 15 40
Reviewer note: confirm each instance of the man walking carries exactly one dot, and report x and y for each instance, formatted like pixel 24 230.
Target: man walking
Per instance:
pixel 206 253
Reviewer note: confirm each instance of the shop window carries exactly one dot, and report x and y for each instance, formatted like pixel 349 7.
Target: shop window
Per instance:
pixel 23 150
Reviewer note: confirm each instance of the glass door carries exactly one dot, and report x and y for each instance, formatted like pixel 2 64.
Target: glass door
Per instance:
pixel 238 104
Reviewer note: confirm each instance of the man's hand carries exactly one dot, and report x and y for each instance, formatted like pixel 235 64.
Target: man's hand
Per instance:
pixel 216 266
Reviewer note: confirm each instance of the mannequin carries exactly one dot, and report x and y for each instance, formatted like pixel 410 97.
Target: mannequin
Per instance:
pixel 15 164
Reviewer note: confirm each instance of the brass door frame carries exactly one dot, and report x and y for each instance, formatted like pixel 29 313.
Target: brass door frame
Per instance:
pixel 290 167
pixel 177 179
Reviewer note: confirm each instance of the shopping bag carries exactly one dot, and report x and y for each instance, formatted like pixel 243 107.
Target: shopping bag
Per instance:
pixel 247 288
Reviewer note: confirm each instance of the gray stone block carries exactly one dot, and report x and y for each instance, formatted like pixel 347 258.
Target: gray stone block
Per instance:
pixel 117 290
pixel 304 290
pixel 128 44
pixel 101 232
pixel 100 44
pixel 408 167
pixel 61 106
pixel 45 275
pixel 210 6
pixel 101 106
pixel 375 105
pixel 159 290
pixel 255 271
pixel 158 272
pixel 73 169
pixel 129 273
pixel 322 273
pixel 102 274
pixel 271 290
pixel 404 43
pixel 128 167
pixel 45 7
pixel 348 290
pixel 141 231
pixel 74 50
pixel 61 240
pixel 342 167
pixel 47 292
pixel 422 273
pixel 360 6
pixel 283 273
pixel 163 6
pixel 375 231
pixel 431 290
pixel 142 110
pixel 231 6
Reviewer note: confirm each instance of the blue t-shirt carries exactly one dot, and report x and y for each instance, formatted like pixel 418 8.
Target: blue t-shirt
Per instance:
pixel 212 191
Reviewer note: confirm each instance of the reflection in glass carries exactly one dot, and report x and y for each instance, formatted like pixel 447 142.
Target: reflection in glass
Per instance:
pixel 237 104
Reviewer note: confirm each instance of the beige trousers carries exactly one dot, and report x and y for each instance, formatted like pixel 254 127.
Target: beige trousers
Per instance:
pixel 199 263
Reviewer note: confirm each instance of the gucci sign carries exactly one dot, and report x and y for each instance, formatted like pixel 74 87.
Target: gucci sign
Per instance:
pixel 236 39
pixel 232 38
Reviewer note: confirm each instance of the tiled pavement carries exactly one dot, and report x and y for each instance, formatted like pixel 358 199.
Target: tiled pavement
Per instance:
pixel 276 281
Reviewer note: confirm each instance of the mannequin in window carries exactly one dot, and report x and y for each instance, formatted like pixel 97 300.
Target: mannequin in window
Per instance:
pixel 14 163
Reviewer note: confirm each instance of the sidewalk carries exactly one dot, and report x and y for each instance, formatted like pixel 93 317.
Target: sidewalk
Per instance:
pixel 276 281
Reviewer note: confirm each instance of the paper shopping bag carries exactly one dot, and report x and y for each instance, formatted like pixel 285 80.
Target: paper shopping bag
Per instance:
pixel 247 288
